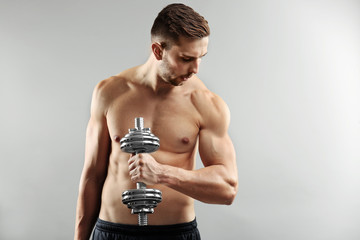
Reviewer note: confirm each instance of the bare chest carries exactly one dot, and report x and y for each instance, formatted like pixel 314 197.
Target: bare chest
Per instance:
pixel 173 119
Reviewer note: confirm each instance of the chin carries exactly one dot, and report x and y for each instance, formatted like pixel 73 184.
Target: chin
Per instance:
pixel 176 82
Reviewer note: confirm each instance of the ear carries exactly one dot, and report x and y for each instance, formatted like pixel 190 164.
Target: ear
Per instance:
pixel 157 50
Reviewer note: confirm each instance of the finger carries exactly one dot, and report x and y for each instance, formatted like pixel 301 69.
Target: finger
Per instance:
pixel 133 162
pixel 131 168
pixel 131 159
pixel 135 179
pixel 132 165
pixel 135 176
pixel 134 171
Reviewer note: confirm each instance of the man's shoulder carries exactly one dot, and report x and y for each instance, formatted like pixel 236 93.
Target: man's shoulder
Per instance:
pixel 107 90
pixel 211 107
pixel 204 99
pixel 112 83
pixel 119 83
pixel 111 87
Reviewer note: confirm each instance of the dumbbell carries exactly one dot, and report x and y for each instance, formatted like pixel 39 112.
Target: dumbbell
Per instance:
pixel 141 200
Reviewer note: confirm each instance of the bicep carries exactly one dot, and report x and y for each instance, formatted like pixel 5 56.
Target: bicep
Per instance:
pixel 97 149
pixel 216 149
pixel 215 145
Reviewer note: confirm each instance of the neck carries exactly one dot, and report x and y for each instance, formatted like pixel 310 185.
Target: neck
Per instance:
pixel 148 75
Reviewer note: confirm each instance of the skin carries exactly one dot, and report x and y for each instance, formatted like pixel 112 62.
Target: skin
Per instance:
pixel 187 118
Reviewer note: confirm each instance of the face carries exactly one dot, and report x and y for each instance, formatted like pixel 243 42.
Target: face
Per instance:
pixel 182 60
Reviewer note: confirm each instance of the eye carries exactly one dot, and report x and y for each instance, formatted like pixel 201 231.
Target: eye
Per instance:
pixel 184 59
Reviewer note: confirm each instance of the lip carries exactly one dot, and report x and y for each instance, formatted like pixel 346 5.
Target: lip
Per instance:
pixel 186 78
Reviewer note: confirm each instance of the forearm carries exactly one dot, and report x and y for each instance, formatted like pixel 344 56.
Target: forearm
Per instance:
pixel 88 207
pixel 212 184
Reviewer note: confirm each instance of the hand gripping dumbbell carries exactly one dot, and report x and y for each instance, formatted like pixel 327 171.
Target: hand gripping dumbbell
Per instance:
pixel 141 200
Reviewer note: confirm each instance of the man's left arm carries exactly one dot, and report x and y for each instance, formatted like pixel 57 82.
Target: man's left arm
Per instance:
pixel 217 182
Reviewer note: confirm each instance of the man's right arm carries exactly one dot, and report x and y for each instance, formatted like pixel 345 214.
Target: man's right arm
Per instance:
pixel 95 166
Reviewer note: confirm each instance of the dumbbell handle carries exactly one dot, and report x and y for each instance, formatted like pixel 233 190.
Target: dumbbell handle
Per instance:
pixel 140 185
pixel 142 217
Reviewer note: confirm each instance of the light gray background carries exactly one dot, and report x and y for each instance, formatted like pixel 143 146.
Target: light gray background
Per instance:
pixel 289 71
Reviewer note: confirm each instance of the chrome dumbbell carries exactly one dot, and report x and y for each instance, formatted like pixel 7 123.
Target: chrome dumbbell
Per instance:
pixel 141 200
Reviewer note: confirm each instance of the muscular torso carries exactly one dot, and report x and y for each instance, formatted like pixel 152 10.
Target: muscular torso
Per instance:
pixel 173 118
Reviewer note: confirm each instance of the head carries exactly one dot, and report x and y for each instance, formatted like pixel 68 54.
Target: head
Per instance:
pixel 179 39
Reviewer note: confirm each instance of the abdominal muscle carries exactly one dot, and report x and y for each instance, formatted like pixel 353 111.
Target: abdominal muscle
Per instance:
pixel 174 208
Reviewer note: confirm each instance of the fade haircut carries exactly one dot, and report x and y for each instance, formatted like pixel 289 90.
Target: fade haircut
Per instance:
pixel 178 20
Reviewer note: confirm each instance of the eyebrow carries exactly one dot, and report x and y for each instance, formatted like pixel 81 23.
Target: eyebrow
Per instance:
pixel 187 56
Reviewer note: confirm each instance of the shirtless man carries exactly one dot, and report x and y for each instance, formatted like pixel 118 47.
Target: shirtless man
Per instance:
pixel 185 116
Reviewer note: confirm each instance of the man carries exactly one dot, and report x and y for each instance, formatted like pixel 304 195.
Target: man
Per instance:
pixel 183 113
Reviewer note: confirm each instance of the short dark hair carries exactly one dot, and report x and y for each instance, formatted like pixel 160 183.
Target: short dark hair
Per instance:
pixel 177 20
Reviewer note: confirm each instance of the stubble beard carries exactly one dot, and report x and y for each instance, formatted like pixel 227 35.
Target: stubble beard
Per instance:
pixel 168 76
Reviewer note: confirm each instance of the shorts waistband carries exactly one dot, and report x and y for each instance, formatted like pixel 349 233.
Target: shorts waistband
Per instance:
pixel 127 228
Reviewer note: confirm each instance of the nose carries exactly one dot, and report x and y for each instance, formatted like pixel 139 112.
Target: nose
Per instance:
pixel 194 68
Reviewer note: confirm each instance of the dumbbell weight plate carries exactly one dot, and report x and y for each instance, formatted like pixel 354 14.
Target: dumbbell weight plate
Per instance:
pixel 141 195
pixel 139 146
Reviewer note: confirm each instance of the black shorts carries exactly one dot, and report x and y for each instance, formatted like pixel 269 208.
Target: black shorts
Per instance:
pixel 114 231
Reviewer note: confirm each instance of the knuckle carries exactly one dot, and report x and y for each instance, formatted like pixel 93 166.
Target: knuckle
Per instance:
pixel 141 162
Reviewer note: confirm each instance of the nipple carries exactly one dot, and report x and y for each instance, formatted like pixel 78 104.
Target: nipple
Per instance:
pixel 185 140
pixel 116 138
